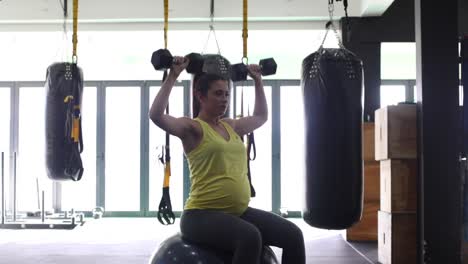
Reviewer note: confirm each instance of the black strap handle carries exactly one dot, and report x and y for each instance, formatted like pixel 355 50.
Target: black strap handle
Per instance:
pixel 251 147
pixel 165 214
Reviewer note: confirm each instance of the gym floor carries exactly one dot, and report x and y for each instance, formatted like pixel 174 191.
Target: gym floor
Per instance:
pixel 132 240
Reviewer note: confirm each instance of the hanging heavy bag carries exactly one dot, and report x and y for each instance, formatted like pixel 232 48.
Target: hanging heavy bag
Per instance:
pixel 332 91
pixel 64 142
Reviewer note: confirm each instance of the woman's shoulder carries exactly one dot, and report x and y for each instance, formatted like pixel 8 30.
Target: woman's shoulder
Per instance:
pixel 229 121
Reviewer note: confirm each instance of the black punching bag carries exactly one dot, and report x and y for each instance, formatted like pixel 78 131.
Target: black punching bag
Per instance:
pixel 332 90
pixel 64 144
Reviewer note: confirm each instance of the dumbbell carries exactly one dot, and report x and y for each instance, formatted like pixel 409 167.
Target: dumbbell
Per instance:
pixel 162 60
pixel 239 71
pixel 217 64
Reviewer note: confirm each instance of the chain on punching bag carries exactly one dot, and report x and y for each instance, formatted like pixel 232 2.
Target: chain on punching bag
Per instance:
pixel 332 91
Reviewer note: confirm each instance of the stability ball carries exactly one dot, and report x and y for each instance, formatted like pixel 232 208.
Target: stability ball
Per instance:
pixel 176 250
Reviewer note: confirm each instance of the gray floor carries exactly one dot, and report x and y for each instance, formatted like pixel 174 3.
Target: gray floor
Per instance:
pixel 132 240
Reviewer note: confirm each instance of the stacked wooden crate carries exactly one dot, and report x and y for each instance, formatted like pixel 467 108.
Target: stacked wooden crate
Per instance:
pixel 366 229
pixel 396 149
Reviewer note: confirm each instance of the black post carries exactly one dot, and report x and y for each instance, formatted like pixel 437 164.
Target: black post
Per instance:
pixel 369 53
pixel 462 17
pixel 439 178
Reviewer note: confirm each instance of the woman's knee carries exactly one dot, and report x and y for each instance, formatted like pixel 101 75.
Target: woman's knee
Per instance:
pixel 250 237
pixel 294 234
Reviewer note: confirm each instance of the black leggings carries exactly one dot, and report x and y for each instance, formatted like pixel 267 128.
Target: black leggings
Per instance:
pixel 244 235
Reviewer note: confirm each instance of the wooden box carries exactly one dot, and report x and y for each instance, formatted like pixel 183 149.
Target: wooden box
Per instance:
pixel 464 246
pixel 372 181
pixel 396 132
pixel 366 229
pixel 368 141
pixel 397 238
pixel 464 252
pixel 398 185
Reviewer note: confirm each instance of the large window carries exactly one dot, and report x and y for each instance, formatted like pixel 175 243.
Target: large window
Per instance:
pixel 157 139
pixel 392 94
pixel 125 55
pixel 122 148
pixel 31 170
pixel 398 61
pixel 260 167
pixel 5 131
pixel 292 148
pixel 18 47
pixel 81 195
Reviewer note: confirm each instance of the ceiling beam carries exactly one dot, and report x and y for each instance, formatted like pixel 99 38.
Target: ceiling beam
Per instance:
pixel 374 7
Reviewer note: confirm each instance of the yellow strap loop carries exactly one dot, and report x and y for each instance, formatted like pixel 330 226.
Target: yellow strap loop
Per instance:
pixel 76 130
pixel 166 21
pixel 245 30
pixel 75 29
pixel 167 174
pixel 68 98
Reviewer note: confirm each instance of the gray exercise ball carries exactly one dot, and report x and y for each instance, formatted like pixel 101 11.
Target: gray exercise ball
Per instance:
pixel 176 250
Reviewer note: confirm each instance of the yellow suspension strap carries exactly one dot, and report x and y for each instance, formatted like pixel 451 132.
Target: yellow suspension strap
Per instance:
pixel 245 59
pixel 166 21
pixel 165 214
pixel 245 29
pixel 76 126
pixel 75 30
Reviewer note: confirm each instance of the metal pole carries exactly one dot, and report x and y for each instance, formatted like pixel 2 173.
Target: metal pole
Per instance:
pixel 14 187
pixel 3 189
pixel 43 210
pixel 37 190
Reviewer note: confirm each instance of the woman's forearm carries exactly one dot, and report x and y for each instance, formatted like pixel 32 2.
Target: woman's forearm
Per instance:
pixel 261 108
pixel 162 98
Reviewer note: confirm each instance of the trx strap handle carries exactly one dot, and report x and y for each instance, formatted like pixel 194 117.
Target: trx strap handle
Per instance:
pixel 75 31
pixel 165 214
pixel 251 147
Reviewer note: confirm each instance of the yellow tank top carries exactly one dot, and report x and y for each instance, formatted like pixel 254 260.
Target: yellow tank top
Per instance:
pixel 218 172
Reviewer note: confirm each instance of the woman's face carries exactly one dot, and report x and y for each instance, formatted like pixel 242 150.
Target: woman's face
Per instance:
pixel 217 99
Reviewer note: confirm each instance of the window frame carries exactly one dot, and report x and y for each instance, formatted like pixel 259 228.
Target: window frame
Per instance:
pixel 144 87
